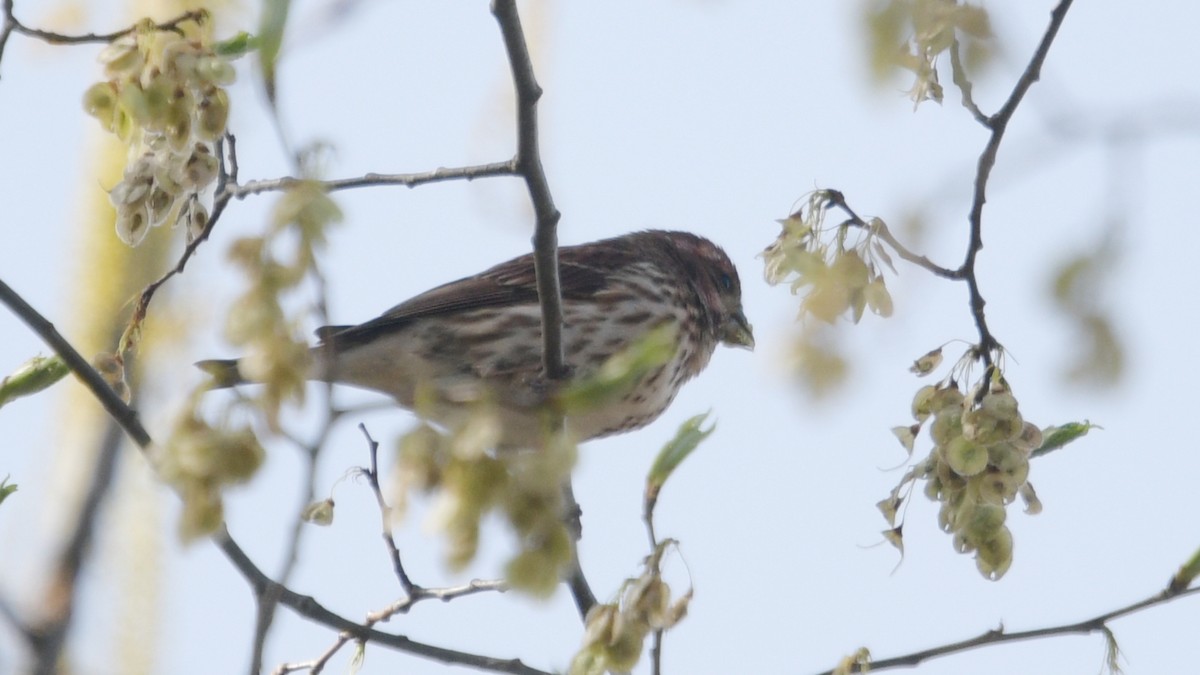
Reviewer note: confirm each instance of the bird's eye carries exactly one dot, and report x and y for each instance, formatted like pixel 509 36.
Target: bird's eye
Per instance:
pixel 726 282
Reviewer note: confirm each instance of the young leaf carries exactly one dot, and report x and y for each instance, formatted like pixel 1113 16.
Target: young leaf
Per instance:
pixel 270 38
pixel 674 452
pixel 236 46
pixel 1186 574
pixel 1054 438
pixel 6 489
pixel 33 376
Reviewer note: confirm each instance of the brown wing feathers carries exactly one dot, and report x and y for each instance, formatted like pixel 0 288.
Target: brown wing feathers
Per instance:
pixel 510 283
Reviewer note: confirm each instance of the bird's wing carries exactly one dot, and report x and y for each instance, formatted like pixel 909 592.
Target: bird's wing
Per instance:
pixel 509 283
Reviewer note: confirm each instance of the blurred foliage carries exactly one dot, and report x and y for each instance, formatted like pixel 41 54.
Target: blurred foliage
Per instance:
pixel 615 632
pixel 1077 290
pixel 468 480
pixel 911 35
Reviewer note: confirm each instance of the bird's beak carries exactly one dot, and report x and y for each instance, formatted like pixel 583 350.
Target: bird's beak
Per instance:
pixel 737 331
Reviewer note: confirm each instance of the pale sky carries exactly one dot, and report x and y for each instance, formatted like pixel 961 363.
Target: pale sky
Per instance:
pixel 714 117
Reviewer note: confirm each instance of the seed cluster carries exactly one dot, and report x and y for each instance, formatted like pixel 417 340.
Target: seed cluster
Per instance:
pixel 164 98
pixel 978 466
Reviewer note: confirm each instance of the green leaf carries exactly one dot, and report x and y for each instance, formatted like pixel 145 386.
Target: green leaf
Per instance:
pixel 270 39
pixel 237 46
pixel 1054 437
pixel 621 372
pixel 6 489
pixel 33 376
pixel 675 451
pixel 1186 574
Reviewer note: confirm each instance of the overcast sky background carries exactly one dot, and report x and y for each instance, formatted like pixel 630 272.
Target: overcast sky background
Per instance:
pixel 713 117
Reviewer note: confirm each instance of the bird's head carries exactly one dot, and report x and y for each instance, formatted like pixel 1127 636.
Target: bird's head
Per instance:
pixel 715 279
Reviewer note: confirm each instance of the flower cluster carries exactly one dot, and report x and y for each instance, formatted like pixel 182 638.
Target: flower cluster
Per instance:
pixel 839 275
pixel 164 98
pixel 615 632
pixel 978 466
pixel 470 480
pixel 911 34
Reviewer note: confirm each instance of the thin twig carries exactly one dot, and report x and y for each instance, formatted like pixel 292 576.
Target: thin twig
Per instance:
pixel 964 83
pixel 998 123
pixel 10 24
pixel 445 594
pixel 998 636
pixel 385 515
pixel 528 163
pixel 880 229
pixel 268 604
pixel 13 25
pixel 309 608
pixel 577 583
pixel 316 665
pixel 228 188
pixel 409 180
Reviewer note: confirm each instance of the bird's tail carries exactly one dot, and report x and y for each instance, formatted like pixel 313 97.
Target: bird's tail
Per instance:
pixel 224 372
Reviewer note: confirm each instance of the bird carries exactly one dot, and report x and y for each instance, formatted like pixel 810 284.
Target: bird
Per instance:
pixel 480 337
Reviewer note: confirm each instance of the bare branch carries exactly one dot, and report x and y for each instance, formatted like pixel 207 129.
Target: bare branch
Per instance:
pixel 998 123
pixel 577 583
pixel 309 608
pixel 998 636
pixel 528 164
pixel 228 189
pixel 964 85
pixel 880 229
pixel 113 405
pixel 14 25
pixel 385 518
pixel 410 180
pixel 10 24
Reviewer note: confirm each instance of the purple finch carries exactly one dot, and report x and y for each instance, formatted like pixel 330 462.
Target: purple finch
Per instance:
pixel 480 338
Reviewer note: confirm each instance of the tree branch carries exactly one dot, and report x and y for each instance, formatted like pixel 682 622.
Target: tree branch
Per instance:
pixel 581 590
pixel 880 229
pixel 409 180
pixel 113 405
pixel 528 164
pixel 14 25
pixel 959 72
pixel 309 608
pixel 228 188
pixel 998 636
pixel 998 123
